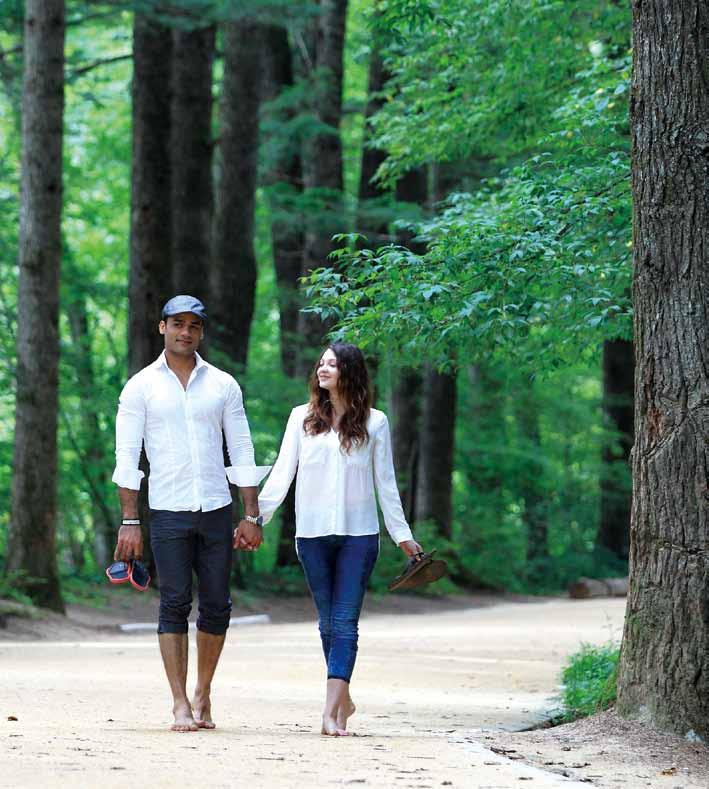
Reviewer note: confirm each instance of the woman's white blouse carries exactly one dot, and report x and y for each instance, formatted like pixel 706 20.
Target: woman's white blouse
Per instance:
pixel 334 491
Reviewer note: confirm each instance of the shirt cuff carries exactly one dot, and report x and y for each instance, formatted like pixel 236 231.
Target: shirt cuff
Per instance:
pixel 246 476
pixel 267 516
pixel 127 477
pixel 401 535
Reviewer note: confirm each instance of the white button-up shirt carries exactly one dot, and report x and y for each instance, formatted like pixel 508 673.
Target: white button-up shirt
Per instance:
pixel 182 432
pixel 335 490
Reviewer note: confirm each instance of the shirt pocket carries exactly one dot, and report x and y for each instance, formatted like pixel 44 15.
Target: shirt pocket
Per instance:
pixel 359 457
pixel 314 451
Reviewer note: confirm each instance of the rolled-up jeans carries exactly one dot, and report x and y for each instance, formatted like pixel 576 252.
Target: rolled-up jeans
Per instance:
pixel 337 569
pixel 187 542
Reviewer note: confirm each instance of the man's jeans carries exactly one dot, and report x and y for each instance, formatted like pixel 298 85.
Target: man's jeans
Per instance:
pixel 187 541
pixel 337 569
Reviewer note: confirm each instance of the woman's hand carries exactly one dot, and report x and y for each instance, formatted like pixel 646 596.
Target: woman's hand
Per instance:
pixel 411 548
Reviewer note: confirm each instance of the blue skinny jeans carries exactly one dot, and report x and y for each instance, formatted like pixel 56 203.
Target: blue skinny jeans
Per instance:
pixel 337 569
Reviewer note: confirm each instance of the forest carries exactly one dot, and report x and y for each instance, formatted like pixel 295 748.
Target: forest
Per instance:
pixel 447 184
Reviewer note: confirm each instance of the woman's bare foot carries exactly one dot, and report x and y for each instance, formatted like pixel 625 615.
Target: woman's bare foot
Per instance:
pixel 344 711
pixel 202 711
pixel 331 729
pixel 184 721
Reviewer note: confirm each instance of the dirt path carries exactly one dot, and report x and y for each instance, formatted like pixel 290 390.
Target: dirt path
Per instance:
pixel 432 688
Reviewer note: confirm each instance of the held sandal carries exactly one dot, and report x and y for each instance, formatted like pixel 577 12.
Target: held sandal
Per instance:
pixel 421 569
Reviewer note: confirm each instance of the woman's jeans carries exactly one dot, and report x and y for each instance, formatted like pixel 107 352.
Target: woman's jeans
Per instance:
pixel 337 569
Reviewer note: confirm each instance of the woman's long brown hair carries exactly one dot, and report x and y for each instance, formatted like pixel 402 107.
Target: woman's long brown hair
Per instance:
pixel 354 389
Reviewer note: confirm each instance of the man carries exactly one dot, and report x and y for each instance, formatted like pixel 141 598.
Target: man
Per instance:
pixel 179 406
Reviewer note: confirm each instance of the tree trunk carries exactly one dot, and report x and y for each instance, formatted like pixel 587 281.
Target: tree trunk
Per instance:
pixel 408 382
pixel 436 442
pixel 664 668
pixel 150 283
pixel 89 441
pixel 323 161
pixel 531 483
pixel 233 285
pixel 191 152
pixel 284 180
pixel 372 221
pixel 406 422
pixel 618 375
pixel 32 549
pixel 150 278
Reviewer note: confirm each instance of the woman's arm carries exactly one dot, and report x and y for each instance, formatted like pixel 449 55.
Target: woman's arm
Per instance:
pixel 281 477
pixel 387 491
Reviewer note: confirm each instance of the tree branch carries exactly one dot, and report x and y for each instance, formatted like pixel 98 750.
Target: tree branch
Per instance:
pixel 72 73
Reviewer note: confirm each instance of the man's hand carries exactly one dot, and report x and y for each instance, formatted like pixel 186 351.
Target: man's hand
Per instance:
pixel 247 536
pixel 129 545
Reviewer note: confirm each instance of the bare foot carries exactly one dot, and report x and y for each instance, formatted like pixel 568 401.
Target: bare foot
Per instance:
pixel 183 718
pixel 202 711
pixel 331 729
pixel 344 711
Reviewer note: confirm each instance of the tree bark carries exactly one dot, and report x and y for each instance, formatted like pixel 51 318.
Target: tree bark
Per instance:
pixel 434 486
pixel 664 667
pixel 89 441
pixel 406 423
pixel 531 483
pixel 233 284
pixel 618 376
pixel 322 163
pixel 150 282
pixel 373 223
pixel 191 160
pixel 284 180
pixel 32 549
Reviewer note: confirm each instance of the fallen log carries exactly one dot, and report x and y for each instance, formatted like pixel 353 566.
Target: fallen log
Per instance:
pixel 584 588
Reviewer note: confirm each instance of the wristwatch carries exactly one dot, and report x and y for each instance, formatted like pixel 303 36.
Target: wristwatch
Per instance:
pixel 257 519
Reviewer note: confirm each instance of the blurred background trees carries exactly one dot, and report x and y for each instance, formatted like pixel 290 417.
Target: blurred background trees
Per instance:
pixel 471 161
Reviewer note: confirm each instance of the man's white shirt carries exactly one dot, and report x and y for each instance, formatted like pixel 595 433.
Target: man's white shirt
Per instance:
pixel 182 432
pixel 335 490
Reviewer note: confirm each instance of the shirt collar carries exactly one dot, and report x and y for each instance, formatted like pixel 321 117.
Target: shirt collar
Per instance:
pixel 161 361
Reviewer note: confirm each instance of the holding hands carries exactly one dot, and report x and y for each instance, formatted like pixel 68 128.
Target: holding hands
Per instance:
pixel 247 536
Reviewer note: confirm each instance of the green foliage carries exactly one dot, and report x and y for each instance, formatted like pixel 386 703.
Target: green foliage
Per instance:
pixel 526 267
pixel 535 261
pixel 589 681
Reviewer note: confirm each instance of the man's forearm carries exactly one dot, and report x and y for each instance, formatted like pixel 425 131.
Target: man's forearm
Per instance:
pixel 129 503
pixel 250 498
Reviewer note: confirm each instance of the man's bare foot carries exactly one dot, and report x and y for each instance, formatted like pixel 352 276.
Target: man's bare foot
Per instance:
pixel 344 711
pixel 331 729
pixel 184 721
pixel 202 711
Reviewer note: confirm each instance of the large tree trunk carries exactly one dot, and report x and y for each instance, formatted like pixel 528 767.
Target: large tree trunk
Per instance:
pixel 32 540
pixel 88 441
pixel 664 668
pixel 284 180
pixel 406 421
pixel 322 163
pixel 233 284
pixel 531 483
pixel 618 376
pixel 434 486
pixel 150 278
pixel 191 154
pixel 150 282
pixel 408 382
pixel 372 221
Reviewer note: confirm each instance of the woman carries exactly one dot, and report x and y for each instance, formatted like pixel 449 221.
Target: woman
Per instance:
pixel 341 448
